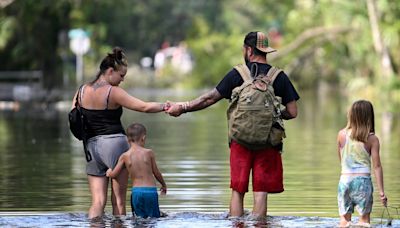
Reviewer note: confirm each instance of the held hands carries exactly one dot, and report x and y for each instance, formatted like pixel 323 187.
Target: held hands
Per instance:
pixel 174 109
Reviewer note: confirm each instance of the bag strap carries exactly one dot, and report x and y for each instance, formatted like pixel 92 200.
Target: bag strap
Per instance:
pixel 273 72
pixel 244 72
pixel 108 96
pixel 88 155
pixel 78 96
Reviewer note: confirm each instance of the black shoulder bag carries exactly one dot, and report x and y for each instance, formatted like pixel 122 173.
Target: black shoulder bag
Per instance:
pixel 75 118
pixel 77 124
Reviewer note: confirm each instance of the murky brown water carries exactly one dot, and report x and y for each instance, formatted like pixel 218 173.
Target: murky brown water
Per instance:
pixel 42 167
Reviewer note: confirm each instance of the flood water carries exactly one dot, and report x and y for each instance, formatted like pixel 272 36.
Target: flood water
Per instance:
pixel 43 180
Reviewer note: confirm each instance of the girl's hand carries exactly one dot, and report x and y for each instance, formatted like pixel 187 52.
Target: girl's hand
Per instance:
pixel 384 199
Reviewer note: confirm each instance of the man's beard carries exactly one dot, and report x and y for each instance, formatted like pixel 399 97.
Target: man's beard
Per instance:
pixel 246 60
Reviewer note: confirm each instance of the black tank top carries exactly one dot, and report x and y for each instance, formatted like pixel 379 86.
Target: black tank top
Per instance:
pixel 103 122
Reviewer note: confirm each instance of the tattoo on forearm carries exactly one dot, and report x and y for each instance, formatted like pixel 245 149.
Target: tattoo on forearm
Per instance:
pixel 204 100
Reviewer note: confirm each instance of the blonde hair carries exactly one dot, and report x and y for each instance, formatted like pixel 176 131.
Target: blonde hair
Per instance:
pixel 360 120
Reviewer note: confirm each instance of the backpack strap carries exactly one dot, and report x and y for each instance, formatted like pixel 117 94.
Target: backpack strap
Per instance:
pixel 244 72
pixel 273 73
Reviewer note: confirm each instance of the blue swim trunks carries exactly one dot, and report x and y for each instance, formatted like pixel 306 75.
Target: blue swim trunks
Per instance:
pixel 145 202
pixel 355 191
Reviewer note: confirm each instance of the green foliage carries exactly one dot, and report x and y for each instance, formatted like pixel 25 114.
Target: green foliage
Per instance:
pixel 207 45
pixel 140 26
pixel 215 46
pixel 33 35
pixel 33 41
pixel 6 30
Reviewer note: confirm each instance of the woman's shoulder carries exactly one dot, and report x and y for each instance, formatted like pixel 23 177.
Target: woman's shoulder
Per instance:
pixel 117 92
pixel 117 89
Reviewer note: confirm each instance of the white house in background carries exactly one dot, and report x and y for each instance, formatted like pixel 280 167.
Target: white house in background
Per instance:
pixel 178 57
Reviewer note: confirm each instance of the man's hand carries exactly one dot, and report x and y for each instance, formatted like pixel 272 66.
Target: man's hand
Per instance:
pixel 175 109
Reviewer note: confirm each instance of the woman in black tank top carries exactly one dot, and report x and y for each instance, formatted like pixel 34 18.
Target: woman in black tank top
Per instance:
pixel 102 101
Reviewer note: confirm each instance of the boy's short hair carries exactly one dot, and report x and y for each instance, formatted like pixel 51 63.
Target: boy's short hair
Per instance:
pixel 135 131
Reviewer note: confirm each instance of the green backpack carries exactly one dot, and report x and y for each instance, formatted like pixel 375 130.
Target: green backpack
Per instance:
pixel 254 114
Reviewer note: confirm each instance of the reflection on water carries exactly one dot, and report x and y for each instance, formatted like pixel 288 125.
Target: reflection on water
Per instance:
pixel 42 167
pixel 173 219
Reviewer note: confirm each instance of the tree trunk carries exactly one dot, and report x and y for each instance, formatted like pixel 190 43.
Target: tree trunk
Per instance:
pixel 381 49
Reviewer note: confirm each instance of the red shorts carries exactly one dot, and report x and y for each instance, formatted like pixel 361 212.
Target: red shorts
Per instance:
pixel 266 166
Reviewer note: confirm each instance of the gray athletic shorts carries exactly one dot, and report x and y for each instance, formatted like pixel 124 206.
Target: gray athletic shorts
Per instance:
pixel 105 151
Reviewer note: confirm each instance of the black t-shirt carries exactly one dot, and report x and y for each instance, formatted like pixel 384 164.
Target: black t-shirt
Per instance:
pixel 283 87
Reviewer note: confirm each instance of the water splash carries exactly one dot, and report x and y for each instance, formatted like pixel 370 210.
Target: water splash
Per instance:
pixel 172 220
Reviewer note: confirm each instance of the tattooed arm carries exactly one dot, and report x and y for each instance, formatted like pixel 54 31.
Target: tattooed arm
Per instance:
pixel 199 103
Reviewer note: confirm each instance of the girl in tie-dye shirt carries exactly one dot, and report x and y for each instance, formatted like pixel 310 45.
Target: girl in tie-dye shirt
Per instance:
pixel 357 145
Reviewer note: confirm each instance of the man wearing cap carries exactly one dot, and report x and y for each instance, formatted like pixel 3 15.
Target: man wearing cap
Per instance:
pixel 265 164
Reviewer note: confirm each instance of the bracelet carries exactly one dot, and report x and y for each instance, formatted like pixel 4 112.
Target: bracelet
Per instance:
pixel 185 106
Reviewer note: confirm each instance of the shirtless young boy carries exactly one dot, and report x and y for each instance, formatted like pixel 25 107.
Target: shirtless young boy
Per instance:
pixel 142 168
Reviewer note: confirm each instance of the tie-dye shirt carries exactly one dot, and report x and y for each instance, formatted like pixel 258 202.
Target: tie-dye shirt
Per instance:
pixel 355 158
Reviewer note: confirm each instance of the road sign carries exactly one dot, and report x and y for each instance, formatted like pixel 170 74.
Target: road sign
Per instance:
pixel 79 41
pixel 79 44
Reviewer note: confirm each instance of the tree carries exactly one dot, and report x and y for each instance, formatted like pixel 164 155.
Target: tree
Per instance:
pixel 380 47
pixel 33 40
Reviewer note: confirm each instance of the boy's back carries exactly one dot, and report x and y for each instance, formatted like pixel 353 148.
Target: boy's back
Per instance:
pixel 142 169
pixel 139 162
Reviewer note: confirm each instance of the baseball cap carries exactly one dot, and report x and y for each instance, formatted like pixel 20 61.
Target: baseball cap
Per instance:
pixel 258 40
